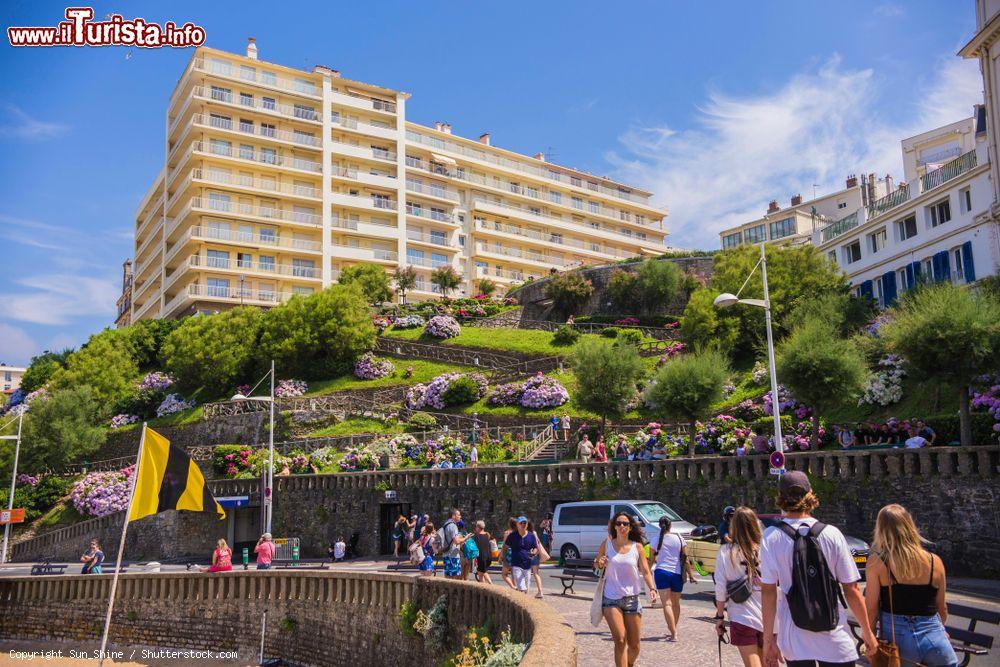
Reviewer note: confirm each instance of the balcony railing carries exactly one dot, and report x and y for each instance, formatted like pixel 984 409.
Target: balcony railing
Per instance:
pixel 424 212
pixel 362 252
pixel 257 103
pixel 256 75
pixel 243 181
pixel 837 228
pixel 267 212
pixel 376 103
pixel 948 171
pixel 427 262
pixel 889 202
pixel 355 124
pixel 296 271
pixel 431 191
pixel 255 156
pixel 255 129
pixel 223 234
pixel 530 255
pixel 436 239
pixel 478 202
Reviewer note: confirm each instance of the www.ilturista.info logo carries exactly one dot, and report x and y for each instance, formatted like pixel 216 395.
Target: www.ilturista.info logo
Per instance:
pixel 80 30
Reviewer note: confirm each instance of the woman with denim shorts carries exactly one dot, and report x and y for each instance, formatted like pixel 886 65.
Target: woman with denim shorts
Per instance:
pixel 625 568
pixel 905 592
pixel 671 567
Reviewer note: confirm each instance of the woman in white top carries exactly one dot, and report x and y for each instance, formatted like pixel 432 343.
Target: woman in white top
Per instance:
pixel 669 572
pixel 625 569
pixel 739 560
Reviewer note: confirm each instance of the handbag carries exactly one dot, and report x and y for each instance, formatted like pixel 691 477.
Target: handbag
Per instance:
pixel 887 653
pixel 416 553
pixel 739 591
pixel 597 604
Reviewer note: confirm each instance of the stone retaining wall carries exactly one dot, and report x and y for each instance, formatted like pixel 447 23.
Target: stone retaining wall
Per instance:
pixel 313 618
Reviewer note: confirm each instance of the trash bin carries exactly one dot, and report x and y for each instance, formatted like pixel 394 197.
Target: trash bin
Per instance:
pixel 153 567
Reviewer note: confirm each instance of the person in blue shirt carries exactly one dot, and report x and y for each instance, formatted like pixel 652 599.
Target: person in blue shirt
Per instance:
pixel 727 515
pixel 92 559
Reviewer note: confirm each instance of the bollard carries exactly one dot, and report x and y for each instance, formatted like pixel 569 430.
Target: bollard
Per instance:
pixel 295 553
pixel 246 558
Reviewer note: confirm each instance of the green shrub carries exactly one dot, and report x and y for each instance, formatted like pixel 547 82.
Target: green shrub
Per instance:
pixel 568 291
pixel 461 391
pixel 948 430
pixel 421 421
pixel 40 498
pixel 765 425
pixel 630 336
pixel 610 332
pixel 407 615
pixel 565 335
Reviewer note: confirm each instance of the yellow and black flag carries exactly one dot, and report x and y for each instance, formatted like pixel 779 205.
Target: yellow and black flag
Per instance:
pixel 168 479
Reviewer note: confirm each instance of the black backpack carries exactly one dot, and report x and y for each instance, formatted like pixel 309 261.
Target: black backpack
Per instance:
pixel 815 596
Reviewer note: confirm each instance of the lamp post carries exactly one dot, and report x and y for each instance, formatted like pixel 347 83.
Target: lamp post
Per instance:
pixel 268 494
pixel 726 300
pixel 13 483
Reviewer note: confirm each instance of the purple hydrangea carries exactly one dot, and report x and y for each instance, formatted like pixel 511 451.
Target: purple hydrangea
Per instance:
pixel 156 381
pixel 442 326
pixel 408 322
pixel 370 367
pixel 123 420
pixel 288 388
pixel 537 392
pixel 173 403
pixel 101 493
pixel 432 394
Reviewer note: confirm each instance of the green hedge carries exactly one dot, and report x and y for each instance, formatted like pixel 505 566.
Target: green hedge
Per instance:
pixel 947 428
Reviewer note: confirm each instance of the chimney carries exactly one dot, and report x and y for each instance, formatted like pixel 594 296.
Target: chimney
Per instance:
pixel 773 206
pixel 484 138
pixel 852 181
pixel 796 200
pixel 446 128
pixel 888 183
pixel 437 125
pixel 251 48
pixel 328 71
pixel 540 156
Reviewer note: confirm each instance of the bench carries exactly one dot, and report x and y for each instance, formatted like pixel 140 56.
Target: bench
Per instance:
pixel 288 563
pixel 966 641
pixel 574 570
pixel 48 567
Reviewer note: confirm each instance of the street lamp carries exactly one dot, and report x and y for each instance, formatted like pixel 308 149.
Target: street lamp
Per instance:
pixel 13 481
pixel 269 489
pixel 725 300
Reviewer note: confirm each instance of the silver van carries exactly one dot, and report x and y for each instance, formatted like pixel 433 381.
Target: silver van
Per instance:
pixel 578 529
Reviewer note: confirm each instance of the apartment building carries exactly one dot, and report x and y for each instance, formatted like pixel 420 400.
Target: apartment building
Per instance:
pixel 276 179
pixel 10 378
pixel 935 226
pixel 795 225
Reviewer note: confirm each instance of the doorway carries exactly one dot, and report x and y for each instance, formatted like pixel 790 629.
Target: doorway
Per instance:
pixel 388 513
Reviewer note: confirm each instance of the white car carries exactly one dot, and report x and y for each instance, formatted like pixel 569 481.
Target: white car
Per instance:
pixel 578 529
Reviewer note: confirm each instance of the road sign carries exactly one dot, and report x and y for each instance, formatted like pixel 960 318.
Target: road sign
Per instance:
pixel 777 460
pixel 390 494
pixel 778 471
pixel 15 515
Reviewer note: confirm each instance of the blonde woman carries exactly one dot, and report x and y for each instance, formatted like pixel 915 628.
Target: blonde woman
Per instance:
pixel 737 587
pixel 222 557
pixel 905 593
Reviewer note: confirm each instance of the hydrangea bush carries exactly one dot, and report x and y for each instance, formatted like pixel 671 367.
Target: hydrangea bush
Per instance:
pixel 156 381
pixel 673 349
pixel 408 322
pixel 102 493
pixel 173 403
pixel 442 326
pixel 759 373
pixel 432 394
pixel 720 434
pixel 885 386
pixel 986 396
pixel 370 367
pixel 289 388
pixel 786 404
pixel 537 392
pixel 123 420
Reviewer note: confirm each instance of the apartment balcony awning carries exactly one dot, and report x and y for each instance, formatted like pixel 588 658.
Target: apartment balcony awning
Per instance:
pixel 443 159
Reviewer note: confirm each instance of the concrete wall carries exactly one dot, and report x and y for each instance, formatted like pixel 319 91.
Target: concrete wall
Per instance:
pixel 313 618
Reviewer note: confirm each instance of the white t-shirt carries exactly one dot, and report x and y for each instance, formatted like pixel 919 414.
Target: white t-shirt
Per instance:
pixel 621 576
pixel 835 645
pixel 474 454
pixel 729 568
pixel 338 549
pixel 668 558
pixel 916 442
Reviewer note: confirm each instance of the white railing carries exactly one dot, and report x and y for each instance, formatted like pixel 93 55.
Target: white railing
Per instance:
pixel 426 262
pixel 222 206
pixel 478 202
pixel 359 252
pixel 257 157
pixel 518 252
pixel 256 103
pixel 423 212
pixel 243 181
pixel 295 271
pixel 360 125
pixel 376 103
pixel 255 129
pixel 257 75
pixel 223 234
pixel 436 239
pixel 431 191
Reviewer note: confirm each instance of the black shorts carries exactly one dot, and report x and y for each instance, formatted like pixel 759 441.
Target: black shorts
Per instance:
pixel 483 563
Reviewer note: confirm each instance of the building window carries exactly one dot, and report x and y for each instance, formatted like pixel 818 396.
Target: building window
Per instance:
pixel 268 78
pixel 876 240
pixel 756 234
pixel 879 298
pixel 555 197
pixel 928 269
pixel 832 256
pixel 218 287
pixel 852 252
pixel 575 180
pixel 246 152
pixel 246 126
pixel 958 275
pixel 268 103
pixel 906 228
pixel 302 291
pixel 594 206
pixel 730 241
pixel 461 240
pixel 965 199
pixel 244 260
pixel 939 213
pixel 577 202
pixel 246 99
pixel 267 235
pixel 268 130
pixel 248 73
pixel 222 94
pixel 782 228
pixel 842 204
pixel 266 263
pixel 303 268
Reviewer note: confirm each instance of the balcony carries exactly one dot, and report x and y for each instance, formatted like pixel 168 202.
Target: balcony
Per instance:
pixel 365 227
pixel 256 157
pixel 260 213
pixel 256 103
pixel 366 177
pixel 506 274
pixel 361 201
pixel 432 191
pixel 840 226
pixel 233 295
pixel 248 238
pixel 364 127
pixel 269 185
pixel 268 268
pixel 418 211
pixel 364 254
pixel 146 308
pixel 426 262
pixel 525 255
pixel 255 130
pixel 948 171
pixel 362 101
pixel 256 75
pixel 433 239
pixel 363 152
pixel 503 209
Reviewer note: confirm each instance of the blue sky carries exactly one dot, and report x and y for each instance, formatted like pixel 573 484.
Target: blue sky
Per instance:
pixel 716 107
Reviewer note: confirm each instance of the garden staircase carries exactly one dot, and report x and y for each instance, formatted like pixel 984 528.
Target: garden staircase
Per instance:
pixel 542 446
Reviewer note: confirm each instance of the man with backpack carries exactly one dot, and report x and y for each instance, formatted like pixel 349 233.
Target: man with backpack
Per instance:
pixel 808 562
pixel 448 545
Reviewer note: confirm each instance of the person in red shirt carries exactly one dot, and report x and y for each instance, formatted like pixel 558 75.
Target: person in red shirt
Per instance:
pixel 265 552
pixel 222 558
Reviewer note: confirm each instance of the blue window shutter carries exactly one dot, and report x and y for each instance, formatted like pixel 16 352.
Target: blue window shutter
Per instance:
pixel 916 273
pixel 968 263
pixel 867 290
pixel 889 288
pixel 909 276
pixel 941 266
pixel 945 265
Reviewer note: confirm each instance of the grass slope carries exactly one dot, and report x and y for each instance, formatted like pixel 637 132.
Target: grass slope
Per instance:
pixel 526 341
pixel 423 371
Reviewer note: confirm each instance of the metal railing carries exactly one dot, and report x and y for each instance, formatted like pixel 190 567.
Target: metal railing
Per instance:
pixel 948 171
pixel 840 226
pixel 889 202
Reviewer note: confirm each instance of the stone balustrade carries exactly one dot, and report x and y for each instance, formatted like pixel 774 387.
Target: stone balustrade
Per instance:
pixel 313 617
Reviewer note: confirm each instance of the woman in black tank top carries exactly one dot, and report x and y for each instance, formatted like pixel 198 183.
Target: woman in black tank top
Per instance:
pixel 909 614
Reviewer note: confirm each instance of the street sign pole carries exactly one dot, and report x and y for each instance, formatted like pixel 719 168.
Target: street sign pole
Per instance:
pixel 13 484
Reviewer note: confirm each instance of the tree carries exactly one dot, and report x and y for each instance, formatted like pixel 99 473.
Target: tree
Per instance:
pixel 623 290
pixel 213 351
pixel 701 324
pixel 146 340
pixel 446 278
pixel 42 367
pixel 658 282
pixel 405 279
pixel 819 368
pixel 318 336
pixel 372 279
pixel 486 287
pixel 607 376
pixel 61 428
pixel 106 363
pixel 568 291
pixel 687 386
pixel 948 334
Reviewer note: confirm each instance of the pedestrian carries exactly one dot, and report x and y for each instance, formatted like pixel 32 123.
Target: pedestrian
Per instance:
pixel 554 422
pixel 727 514
pixel 916 441
pixel 804 622
pixel 265 551
pixel 398 536
pixel 846 437
pixel 92 558
pixel 600 451
pixel 905 591
pixel 565 425
pixel 624 570
pixel 540 556
pixel 621 449
pixel 760 443
pixel 584 449
pixel 222 558
pixel 926 432
pixel 505 572
pixel 737 587
pixel 522 546
pixel 451 548
pixel 741 448
pixel 485 558
pixel 411 528
pixel 474 455
pixel 545 525
pixel 426 540
pixel 669 572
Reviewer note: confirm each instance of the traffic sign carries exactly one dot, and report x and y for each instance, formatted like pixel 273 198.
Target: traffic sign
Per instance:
pixel 778 471
pixel 15 515
pixel 777 459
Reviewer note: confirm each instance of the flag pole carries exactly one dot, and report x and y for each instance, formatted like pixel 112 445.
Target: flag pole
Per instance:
pixel 121 549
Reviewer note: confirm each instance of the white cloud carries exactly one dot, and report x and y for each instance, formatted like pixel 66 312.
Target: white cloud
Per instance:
pixel 16 346
pixel 57 299
pixel 818 127
pixel 15 123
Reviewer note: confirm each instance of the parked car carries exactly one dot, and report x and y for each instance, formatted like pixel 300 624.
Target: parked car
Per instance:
pixel 578 529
